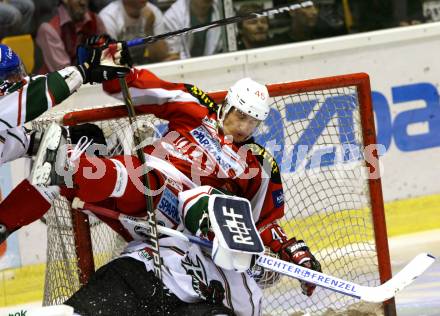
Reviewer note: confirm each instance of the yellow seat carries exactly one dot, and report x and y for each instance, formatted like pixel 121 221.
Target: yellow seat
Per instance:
pixel 23 45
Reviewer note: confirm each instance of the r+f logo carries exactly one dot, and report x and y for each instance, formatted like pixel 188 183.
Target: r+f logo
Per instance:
pixel 237 227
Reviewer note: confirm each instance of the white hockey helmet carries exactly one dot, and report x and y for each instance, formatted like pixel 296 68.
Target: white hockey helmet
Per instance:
pixel 248 96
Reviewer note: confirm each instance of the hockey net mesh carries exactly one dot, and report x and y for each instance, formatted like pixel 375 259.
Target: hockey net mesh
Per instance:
pixel 327 197
pixel 326 193
pixel 62 272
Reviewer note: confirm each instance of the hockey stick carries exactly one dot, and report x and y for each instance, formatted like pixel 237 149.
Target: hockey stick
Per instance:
pixel 376 294
pixel 152 232
pixel 221 22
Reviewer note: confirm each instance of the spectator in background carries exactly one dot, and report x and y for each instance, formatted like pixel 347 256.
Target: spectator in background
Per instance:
pixel 187 13
pixel 70 27
pixel 307 24
pixel 15 17
pixel 129 19
pixel 252 33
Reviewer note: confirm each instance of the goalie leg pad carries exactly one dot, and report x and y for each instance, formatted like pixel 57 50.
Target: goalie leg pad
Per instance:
pixel 237 240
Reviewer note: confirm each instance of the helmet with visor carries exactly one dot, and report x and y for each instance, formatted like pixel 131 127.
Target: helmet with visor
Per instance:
pixel 249 98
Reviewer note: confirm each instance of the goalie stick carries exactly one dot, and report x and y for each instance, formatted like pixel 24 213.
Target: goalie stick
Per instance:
pixel 221 22
pixel 373 294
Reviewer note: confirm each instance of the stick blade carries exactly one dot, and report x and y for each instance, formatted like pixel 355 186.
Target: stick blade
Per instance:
pixel 417 266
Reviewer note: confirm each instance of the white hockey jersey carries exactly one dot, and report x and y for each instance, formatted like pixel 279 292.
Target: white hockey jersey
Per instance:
pixel 190 274
pixel 21 102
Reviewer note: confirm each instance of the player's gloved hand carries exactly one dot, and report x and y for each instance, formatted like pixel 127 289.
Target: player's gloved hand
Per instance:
pixel 101 58
pixel 103 41
pixel 83 50
pixel 296 251
pixel 99 40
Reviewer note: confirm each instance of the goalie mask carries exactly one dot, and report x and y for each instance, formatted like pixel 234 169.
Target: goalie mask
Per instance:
pixel 11 67
pixel 247 96
pixel 265 278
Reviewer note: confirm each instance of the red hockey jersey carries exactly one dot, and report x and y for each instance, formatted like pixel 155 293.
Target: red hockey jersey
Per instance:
pixel 196 146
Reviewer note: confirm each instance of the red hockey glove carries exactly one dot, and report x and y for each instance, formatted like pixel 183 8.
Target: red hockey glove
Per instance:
pixel 296 251
pixel 292 250
pixel 273 236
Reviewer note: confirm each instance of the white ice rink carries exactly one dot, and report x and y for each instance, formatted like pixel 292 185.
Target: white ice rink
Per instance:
pixel 422 298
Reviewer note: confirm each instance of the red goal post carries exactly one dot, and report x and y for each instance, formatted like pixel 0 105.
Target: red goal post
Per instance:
pixel 346 221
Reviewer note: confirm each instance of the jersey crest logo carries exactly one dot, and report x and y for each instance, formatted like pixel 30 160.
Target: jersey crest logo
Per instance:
pixel 145 253
pixel 210 123
pixel 214 291
pixel 278 198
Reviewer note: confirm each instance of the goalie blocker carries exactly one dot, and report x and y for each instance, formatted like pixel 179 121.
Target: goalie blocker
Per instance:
pixel 236 241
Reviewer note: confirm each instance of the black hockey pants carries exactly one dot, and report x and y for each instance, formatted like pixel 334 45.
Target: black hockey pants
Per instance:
pixel 125 287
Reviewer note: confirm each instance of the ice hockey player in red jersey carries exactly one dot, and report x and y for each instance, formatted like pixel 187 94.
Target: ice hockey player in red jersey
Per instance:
pixel 197 281
pixel 213 145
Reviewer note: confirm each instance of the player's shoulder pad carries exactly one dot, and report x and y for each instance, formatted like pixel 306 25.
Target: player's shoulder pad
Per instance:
pixel 262 154
pixel 203 98
pixel 7 87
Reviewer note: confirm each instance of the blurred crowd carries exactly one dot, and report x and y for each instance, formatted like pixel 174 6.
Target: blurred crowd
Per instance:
pixel 58 26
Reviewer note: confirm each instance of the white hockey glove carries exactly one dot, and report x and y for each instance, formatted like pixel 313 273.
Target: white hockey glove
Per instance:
pixel 237 242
